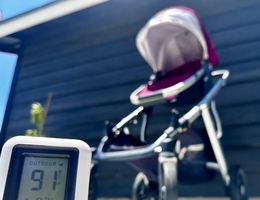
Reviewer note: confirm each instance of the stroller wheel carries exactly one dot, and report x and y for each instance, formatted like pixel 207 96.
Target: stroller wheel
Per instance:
pixel 143 189
pixel 237 189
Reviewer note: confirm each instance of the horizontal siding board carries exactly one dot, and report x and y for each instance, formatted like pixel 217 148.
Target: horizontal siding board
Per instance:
pixel 104 33
pixel 241 94
pixel 91 99
pixel 91 41
pixel 242 136
pixel 241 114
pixel 79 113
pixel 108 96
pixel 247 14
pixel 141 10
pixel 86 114
pixel 236 54
pixel 251 165
pixel 112 63
pixel 244 72
pixel 84 85
pixel 95 22
pixel 85 122
pixel 231 116
pixel 83 56
pixel 228 38
pixel 234 135
pixel 105 112
pixel 92 66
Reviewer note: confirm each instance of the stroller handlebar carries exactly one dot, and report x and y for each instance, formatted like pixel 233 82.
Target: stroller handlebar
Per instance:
pixel 170 132
pixel 128 118
pixel 216 87
pixel 163 94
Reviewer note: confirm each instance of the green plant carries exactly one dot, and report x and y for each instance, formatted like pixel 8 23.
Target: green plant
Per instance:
pixel 38 115
pixel 37 118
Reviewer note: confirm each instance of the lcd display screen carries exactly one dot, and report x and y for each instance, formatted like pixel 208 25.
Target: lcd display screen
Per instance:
pixel 43 177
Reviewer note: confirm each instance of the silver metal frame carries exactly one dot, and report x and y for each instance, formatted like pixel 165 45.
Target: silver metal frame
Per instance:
pixel 217 119
pixel 168 173
pixel 201 109
pixel 213 137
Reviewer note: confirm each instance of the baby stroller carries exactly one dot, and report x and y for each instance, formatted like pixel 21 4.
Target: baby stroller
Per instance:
pixel 182 57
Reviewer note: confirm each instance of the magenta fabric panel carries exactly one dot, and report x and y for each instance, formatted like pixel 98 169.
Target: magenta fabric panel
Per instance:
pixel 213 57
pixel 180 74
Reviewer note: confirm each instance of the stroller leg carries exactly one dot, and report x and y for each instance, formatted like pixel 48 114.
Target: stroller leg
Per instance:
pixel 168 180
pixel 217 149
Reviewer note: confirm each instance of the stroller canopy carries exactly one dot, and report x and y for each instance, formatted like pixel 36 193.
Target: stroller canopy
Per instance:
pixel 174 37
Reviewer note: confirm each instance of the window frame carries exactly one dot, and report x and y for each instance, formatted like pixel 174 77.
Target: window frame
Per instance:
pixel 10 45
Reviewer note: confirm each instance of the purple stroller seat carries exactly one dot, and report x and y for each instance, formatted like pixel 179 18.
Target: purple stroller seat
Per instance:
pixel 171 78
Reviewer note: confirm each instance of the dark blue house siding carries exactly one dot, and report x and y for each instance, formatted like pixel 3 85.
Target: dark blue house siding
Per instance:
pixel 89 61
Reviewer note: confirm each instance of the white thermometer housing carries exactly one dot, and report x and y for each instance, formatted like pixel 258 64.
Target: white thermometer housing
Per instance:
pixel 41 168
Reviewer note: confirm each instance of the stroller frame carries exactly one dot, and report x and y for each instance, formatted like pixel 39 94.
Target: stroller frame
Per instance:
pixel 167 158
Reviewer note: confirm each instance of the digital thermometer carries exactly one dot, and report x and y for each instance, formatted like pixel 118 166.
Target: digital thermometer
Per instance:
pixel 41 168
